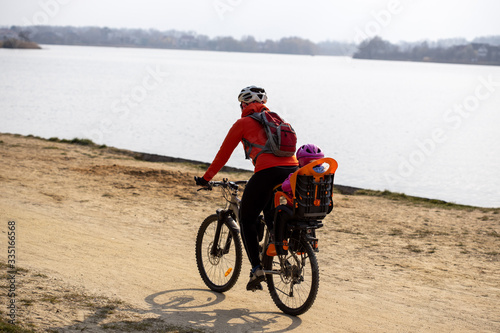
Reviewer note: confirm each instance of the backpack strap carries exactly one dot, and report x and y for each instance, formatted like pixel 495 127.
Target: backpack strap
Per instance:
pixel 248 149
pixel 249 145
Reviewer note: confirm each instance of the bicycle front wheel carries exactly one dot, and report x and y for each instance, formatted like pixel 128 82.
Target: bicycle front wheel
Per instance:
pixel 295 282
pixel 219 264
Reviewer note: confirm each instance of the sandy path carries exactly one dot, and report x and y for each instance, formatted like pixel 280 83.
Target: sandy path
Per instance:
pixel 93 222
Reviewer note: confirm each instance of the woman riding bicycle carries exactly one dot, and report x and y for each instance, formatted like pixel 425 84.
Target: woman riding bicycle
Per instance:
pixel 269 171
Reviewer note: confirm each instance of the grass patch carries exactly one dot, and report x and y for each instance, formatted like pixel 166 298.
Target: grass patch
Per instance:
pixel 348 231
pixel 462 246
pixel 105 311
pixel 130 326
pixel 493 234
pixel 432 203
pixel 26 302
pixel 413 248
pixel 422 233
pixel 432 250
pixel 395 232
pixel 202 166
pixel 9 328
pixel 92 302
pixel 40 275
pixel 149 325
pixel 50 298
pixel 76 141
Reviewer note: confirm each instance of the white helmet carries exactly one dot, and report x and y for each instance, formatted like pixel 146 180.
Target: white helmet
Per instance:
pixel 252 94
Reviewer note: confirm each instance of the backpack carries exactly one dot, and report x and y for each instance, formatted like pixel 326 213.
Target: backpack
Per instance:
pixel 281 137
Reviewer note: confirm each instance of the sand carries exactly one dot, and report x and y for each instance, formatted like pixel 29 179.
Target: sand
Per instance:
pixel 105 242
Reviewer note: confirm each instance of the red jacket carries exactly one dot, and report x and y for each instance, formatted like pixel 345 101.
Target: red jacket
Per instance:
pixel 252 131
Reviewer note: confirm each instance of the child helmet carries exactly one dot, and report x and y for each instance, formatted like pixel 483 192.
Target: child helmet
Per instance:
pixel 252 94
pixel 309 152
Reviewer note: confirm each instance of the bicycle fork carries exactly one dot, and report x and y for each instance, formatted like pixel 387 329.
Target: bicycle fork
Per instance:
pixel 223 217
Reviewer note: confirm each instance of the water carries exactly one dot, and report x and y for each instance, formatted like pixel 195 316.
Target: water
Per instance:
pixel 423 129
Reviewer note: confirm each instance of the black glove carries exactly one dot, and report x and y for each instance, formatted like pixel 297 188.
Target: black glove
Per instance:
pixel 200 181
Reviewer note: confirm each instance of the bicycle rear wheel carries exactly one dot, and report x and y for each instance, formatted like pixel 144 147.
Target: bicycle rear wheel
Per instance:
pixel 295 284
pixel 219 266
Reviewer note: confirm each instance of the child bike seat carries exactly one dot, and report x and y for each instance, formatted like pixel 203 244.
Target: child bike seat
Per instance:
pixel 312 190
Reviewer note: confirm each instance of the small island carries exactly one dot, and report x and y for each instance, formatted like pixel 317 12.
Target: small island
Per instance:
pixel 16 40
pixel 18 44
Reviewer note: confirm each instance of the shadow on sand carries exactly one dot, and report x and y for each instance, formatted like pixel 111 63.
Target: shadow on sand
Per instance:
pixel 183 310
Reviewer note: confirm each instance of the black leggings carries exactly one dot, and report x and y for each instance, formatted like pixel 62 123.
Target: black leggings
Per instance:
pixel 257 197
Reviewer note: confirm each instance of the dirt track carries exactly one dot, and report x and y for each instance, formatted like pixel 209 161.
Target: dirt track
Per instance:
pixel 107 244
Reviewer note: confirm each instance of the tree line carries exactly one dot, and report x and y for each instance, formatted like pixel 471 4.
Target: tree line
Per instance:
pixel 482 50
pixel 466 53
pixel 173 39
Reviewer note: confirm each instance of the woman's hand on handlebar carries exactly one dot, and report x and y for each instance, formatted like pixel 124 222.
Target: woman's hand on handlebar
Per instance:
pixel 200 181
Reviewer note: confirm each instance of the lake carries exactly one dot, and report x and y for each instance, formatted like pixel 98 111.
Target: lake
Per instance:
pixel 424 129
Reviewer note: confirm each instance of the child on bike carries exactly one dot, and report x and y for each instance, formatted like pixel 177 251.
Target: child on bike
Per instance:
pixel 270 171
pixel 305 154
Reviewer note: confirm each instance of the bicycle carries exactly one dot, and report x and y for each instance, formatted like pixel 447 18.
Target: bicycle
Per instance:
pixel 290 264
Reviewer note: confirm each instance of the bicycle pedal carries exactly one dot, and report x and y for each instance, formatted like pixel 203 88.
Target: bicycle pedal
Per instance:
pixel 255 286
pixel 258 287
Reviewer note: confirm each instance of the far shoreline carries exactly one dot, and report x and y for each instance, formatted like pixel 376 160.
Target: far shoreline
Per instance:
pixel 342 189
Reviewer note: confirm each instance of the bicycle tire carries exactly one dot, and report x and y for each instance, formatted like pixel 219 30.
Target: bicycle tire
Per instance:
pixel 219 272
pixel 301 294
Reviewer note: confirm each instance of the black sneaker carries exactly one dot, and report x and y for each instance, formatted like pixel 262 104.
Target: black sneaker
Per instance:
pixel 257 275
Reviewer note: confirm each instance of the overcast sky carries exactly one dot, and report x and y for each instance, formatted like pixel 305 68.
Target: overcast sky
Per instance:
pixel 317 20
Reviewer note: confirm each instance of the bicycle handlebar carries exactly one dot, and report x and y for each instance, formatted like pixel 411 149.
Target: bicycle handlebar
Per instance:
pixel 225 183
